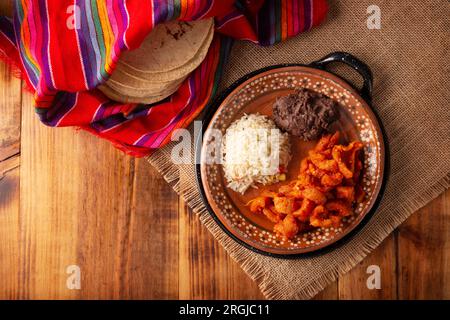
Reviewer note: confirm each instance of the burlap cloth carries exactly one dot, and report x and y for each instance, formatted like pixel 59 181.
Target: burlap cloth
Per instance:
pixel 409 57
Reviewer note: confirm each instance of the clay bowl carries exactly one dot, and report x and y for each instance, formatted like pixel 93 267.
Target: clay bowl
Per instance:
pixel 256 93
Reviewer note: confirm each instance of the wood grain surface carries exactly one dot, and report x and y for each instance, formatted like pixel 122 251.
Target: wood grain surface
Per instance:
pixel 68 198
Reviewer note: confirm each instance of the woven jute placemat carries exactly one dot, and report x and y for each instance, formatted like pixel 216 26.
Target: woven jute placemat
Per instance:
pixel 409 59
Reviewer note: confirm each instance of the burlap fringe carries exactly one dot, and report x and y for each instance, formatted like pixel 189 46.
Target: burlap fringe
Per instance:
pixel 190 194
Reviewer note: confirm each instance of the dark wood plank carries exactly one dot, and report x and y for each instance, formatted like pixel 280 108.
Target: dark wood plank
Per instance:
pixel 9 228
pixel 424 252
pixel 102 195
pixel 206 270
pixel 331 292
pixel 6 7
pixel 151 271
pixel 353 285
pixel 75 199
pixel 10 102
pixel 10 98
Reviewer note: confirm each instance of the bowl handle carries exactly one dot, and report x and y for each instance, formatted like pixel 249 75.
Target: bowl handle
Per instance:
pixel 353 62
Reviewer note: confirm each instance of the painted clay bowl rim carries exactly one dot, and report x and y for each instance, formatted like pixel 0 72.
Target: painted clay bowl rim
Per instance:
pixel 360 220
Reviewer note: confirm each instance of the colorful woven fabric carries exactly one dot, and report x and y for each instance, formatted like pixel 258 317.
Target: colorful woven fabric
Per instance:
pixel 66 48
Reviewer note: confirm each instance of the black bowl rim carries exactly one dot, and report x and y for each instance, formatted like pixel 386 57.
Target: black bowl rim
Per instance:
pixel 212 108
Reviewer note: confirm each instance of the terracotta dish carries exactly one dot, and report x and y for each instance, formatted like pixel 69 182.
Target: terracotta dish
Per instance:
pixel 256 93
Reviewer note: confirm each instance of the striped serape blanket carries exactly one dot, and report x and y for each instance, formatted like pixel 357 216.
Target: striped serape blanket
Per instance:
pixel 65 48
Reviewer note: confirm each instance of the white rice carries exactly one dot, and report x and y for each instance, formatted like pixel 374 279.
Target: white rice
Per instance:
pixel 253 151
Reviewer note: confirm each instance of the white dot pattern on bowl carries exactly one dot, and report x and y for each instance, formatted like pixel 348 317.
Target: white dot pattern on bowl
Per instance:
pixel 367 135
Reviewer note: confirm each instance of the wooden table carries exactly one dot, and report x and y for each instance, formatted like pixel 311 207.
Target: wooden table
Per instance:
pixel 69 198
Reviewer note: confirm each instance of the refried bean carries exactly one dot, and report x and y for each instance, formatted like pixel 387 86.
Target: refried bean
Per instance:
pixel 305 113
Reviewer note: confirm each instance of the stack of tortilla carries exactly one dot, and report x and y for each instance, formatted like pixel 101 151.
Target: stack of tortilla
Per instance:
pixel 157 68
